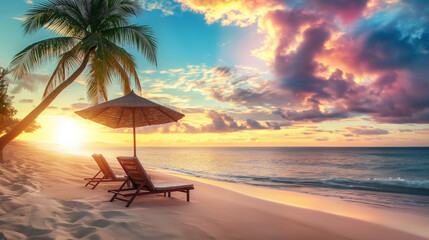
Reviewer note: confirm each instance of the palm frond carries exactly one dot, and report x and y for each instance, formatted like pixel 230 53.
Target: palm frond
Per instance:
pixel 98 81
pixel 123 76
pixel 126 8
pixel 116 13
pixel 38 52
pixel 68 61
pixel 100 74
pixel 124 62
pixel 61 16
pixel 140 37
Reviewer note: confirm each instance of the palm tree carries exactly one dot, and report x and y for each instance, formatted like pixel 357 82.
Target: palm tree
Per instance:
pixel 91 36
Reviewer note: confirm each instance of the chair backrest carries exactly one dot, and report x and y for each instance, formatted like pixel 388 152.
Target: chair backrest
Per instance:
pixel 104 166
pixel 135 171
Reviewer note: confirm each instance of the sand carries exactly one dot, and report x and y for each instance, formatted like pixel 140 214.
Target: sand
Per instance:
pixel 42 196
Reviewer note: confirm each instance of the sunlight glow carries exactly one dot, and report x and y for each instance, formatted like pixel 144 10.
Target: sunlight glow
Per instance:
pixel 69 134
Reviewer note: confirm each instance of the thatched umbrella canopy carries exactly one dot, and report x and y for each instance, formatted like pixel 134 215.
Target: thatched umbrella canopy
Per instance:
pixel 130 110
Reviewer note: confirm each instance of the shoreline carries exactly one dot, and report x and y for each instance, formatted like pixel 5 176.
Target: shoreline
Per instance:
pixel 399 219
pixel 313 191
pixel 315 216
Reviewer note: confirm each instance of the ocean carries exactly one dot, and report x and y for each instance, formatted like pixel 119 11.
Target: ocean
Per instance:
pixel 390 177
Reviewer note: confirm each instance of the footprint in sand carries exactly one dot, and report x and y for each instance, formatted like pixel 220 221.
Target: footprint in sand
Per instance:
pixel 76 204
pixel 11 206
pixel 76 216
pixel 66 209
pixel 101 223
pixel 84 231
pixel 111 214
pixel 31 231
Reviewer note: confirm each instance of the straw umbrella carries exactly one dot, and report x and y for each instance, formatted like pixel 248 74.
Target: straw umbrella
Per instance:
pixel 130 110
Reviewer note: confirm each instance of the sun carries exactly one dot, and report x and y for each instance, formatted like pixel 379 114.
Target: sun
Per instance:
pixel 69 134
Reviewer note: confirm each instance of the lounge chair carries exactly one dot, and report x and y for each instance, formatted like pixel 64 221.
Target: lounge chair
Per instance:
pixel 141 181
pixel 108 174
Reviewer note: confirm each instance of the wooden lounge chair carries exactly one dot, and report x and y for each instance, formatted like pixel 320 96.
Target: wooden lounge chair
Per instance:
pixel 142 184
pixel 108 174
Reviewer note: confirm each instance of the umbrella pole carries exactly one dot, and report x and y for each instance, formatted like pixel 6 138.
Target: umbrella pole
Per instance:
pixel 134 134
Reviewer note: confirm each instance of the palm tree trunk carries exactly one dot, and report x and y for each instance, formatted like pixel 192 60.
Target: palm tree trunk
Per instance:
pixel 8 137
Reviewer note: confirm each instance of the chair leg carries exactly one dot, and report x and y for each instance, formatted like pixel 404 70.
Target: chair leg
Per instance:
pixel 169 194
pixel 120 188
pixel 187 195
pixel 98 182
pixel 135 195
pixel 165 194
pixel 90 181
pixel 95 185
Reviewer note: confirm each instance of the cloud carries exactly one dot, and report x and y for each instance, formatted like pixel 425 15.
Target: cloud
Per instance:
pixel 347 11
pixel 219 123
pixel 81 80
pixel 223 71
pixel 167 97
pixel 240 86
pixel 192 110
pixel 255 124
pixel 328 60
pixel 308 133
pixel 313 57
pixel 323 139
pixel 277 126
pixel 297 69
pixel 422 131
pixel 362 130
pixel 73 107
pixel 250 97
pixel 26 100
pixel 316 130
pixel 399 93
pixel 311 115
pixel 176 70
pixel 79 106
pixel 166 7
pixel 30 82
pixel 187 128
pixel 405 130
pixel 240 13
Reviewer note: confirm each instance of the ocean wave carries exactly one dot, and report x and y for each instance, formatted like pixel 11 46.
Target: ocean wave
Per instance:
pixel 388 185
pixel 391 185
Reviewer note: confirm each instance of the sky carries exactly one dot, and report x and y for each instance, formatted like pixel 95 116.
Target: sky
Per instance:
pixel 257 73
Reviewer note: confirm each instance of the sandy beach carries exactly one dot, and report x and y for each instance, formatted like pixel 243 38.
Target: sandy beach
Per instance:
pixel 42 196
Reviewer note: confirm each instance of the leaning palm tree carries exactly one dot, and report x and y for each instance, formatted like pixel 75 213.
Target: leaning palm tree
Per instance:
pixel 91 36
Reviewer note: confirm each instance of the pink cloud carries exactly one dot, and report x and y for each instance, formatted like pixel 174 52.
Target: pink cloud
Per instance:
pixel 333 58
